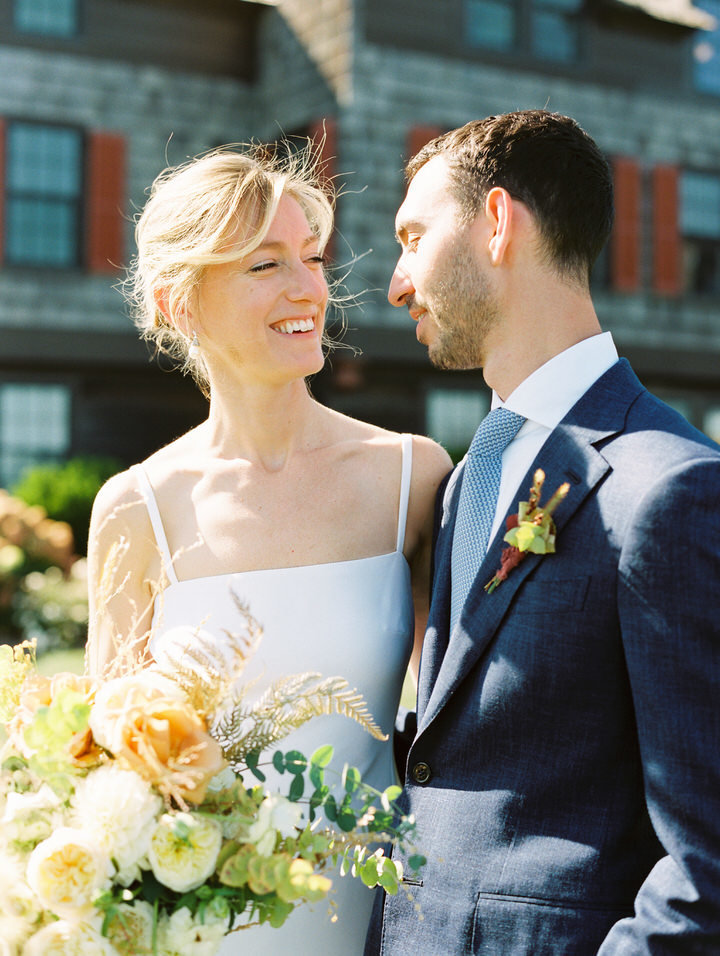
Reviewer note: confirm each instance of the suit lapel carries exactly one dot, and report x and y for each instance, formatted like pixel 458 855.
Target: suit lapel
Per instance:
pixel 569 454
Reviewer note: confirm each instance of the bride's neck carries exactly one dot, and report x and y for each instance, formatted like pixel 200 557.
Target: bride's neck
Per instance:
pixel 262 423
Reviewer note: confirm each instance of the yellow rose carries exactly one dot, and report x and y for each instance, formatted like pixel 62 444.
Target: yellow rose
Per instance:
pixel 184 850
pixel 147 722
pixel 66 872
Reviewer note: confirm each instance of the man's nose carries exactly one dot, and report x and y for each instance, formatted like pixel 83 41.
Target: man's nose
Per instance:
pixel 400 286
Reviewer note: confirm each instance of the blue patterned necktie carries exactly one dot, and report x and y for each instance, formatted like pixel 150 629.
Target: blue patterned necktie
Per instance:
pixel 478 500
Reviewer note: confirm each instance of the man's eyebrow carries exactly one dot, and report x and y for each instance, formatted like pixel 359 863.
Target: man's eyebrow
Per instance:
pixel 404 226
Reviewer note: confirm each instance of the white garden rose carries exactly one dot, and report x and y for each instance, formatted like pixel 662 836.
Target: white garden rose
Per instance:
pixel 131 928
pixel 14 931
pixel 17 900
pixel 67 871
pixel 64 938
pixel 28 818
pixel 181 935
pixel 277 815
pixel 223 780
pixel 118 809
pixel 184 850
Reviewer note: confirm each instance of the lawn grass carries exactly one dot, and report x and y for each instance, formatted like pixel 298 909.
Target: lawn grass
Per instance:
pixel 67 659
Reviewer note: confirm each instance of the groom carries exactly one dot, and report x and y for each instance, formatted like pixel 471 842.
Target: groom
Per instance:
pixel 565 775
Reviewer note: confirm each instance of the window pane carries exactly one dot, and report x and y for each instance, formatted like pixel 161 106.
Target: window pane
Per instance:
pixel 490 23
pixel 41 232
pixel 44 160
pixel 554 36
pixel 34 427
pixel 706 51
pixel 453 415
pixel 57 18
pixel 711 423
pixel 700 204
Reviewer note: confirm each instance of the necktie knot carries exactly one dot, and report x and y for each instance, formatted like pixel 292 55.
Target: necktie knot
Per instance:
pixel 495 433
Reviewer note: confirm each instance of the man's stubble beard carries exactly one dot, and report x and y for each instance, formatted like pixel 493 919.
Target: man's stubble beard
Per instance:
pixel 464 310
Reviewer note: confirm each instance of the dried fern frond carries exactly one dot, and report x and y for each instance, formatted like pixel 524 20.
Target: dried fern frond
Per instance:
pixel 287 704
pixel 207 670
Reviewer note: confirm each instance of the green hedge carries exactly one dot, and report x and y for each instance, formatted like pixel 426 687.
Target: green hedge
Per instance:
pixel 66 491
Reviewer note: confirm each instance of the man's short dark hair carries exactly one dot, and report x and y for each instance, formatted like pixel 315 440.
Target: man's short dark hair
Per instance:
pixel 545 160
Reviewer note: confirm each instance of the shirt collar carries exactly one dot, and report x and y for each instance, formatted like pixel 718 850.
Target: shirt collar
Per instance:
pixel 550 392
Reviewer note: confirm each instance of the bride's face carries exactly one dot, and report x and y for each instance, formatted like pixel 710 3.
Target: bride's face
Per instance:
pixel 264 314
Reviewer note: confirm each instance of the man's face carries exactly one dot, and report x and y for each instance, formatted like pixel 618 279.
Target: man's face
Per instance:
pixel 439 277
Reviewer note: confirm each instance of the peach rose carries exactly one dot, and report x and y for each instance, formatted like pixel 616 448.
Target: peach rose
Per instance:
pixel 146 722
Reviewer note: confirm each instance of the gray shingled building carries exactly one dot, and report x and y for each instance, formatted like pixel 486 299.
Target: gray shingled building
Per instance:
pixel 96 96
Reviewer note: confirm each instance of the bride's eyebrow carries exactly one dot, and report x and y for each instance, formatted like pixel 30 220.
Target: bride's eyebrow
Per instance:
pixel 275 244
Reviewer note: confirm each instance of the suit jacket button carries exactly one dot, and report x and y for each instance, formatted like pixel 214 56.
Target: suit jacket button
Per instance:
pixel 421 772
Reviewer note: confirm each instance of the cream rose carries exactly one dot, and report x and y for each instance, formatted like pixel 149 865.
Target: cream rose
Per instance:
pixel 64 938
pixel 130 929
pixel 67 870
pixel 181 935
pixel 147 723
pixel 184 850
pixel 276 815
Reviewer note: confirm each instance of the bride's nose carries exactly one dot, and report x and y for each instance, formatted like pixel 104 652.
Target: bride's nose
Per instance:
pixel 308 282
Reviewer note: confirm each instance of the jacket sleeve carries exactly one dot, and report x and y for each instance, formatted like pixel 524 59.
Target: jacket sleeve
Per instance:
pixel 669 607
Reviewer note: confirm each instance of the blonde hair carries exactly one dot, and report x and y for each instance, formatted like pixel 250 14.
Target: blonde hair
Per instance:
pixel 192 213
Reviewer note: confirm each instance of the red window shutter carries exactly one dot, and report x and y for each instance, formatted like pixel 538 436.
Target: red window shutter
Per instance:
pixel 418 136
pixel 105 235
pixel 2 190
pixel 626 239
pixel 323 133
pixel 667 269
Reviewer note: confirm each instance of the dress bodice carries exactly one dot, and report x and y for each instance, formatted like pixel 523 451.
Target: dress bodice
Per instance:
pixel 352 619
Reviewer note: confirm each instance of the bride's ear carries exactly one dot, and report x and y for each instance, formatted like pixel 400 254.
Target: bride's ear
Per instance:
pixel 499 215
pixel 176 318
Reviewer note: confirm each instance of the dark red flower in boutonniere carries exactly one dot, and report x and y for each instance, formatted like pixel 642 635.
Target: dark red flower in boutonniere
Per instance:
pixel 531 530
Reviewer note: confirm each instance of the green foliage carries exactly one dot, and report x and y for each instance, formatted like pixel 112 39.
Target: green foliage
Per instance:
pixel 66 491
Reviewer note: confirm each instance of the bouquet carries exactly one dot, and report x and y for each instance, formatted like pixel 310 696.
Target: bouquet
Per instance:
pixel 133 817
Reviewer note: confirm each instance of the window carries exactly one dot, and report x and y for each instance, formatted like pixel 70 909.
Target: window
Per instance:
pixel 554 29
pixel 706 51
pixel 700 228
pixel 453 415
pixel 546 29
pixel 34 427
pixel 56 18
pixel 44 187
pixel 711 423
pixel 491 23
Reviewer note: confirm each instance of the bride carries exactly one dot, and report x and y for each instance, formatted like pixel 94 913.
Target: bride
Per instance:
pixel 309 518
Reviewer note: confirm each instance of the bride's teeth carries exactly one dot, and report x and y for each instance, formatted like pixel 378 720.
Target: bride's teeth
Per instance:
pixel 297 325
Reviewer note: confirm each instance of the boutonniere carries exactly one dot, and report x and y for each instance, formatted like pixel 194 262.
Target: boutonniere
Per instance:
pixel 532 530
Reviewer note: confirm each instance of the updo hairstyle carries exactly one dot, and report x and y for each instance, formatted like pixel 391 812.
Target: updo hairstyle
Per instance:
pixel 193 212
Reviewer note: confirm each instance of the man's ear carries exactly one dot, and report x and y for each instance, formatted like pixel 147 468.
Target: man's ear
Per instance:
pixel 499 215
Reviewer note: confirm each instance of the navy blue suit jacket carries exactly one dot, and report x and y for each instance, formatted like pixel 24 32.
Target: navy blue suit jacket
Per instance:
pixel 570 724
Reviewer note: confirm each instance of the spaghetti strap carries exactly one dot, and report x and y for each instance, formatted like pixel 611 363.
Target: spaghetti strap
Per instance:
pixel 156 522
pixel 404 489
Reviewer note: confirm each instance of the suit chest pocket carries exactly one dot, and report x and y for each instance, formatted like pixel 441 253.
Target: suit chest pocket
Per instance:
pixel 548 596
